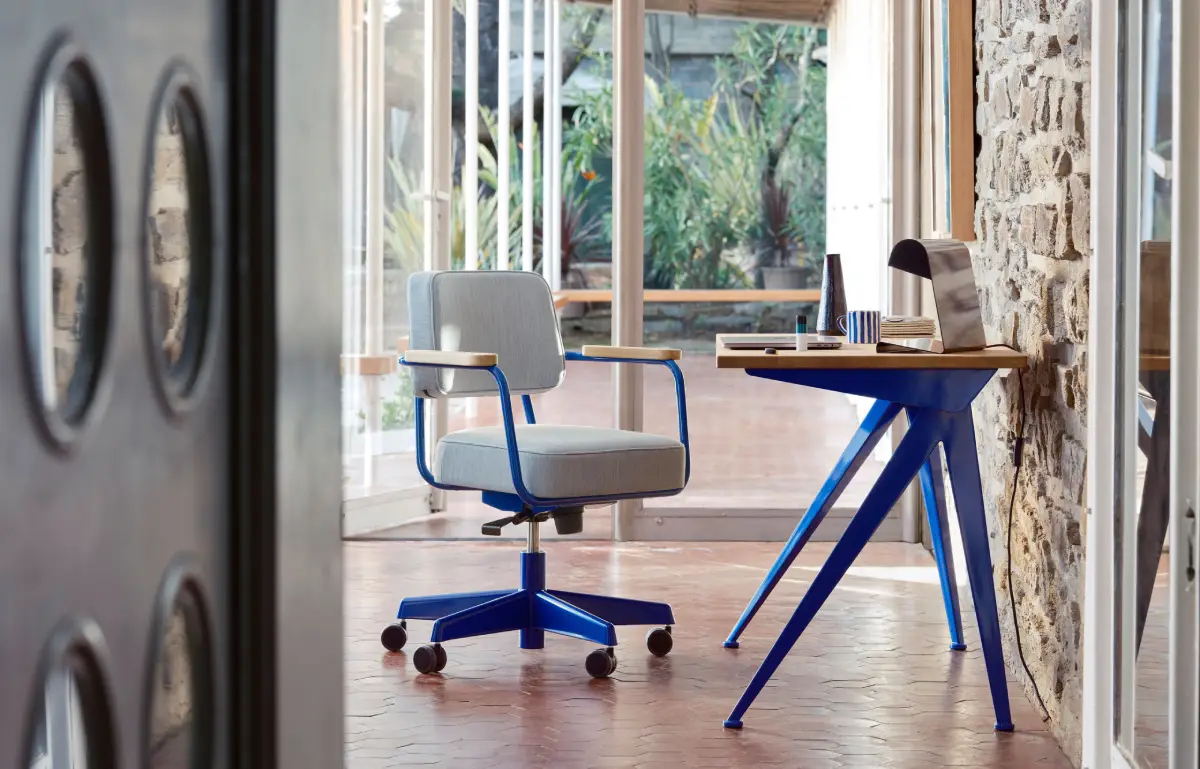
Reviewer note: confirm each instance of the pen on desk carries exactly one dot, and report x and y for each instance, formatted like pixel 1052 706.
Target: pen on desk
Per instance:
pixel 801 333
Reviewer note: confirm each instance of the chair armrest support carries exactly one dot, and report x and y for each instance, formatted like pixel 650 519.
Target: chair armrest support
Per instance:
pixel 605 352
pixel 487 362
pixel 662 357
pixel 449 359
pixel 460 360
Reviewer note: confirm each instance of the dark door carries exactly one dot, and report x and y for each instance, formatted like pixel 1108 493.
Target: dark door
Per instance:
pixel 168 520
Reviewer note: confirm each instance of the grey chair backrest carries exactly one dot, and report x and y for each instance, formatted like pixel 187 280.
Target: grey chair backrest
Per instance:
pixel 508 313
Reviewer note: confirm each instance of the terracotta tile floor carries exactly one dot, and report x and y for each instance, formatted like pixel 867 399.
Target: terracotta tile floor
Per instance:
pixel 871 684
pixel 1150 723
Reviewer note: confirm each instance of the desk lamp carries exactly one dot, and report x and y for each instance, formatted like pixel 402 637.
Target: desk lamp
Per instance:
pixel 947 264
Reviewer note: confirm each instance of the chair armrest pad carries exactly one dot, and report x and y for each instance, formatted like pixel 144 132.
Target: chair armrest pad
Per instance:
pixel 631 353
pixel 448 358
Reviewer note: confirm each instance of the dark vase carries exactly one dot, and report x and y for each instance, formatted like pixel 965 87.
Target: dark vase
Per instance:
pixel 833 296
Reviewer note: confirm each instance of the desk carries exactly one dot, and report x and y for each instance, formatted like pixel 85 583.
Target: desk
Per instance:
pixel 936 392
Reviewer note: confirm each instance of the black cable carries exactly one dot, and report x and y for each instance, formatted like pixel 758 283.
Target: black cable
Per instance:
pixel 1018 455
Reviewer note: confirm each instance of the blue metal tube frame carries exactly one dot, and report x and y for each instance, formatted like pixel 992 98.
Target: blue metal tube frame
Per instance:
pixel 510 435
pixel 938 405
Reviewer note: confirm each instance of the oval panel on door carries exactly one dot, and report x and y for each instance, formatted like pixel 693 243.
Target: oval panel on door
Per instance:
pixel 70 722
pixel 65 259
pixel 178 244
pixel 180 707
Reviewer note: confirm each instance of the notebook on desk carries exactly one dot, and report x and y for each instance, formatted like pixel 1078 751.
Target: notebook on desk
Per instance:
pixel 778 342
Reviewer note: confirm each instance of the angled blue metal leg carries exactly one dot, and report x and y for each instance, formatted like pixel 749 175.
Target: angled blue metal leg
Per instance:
pixel 963 462
pixel 924 432
pixel 878 419
pixel 933 490
pixel 619 611
pixel 438 606
pixel 558 616
pixel 513 611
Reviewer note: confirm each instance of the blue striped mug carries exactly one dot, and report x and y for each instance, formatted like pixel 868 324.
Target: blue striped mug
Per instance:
pixel 860 326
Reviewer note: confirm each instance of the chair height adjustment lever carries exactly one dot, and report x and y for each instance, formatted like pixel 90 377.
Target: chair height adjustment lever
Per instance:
pixel 493 528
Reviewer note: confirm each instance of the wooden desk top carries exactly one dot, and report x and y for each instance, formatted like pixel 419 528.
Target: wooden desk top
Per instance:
pixel 863 356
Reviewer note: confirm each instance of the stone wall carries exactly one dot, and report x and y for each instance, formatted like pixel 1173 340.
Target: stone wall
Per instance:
pixel 173 700
pixel 167 229
pixel 1032 260
pixel 69 233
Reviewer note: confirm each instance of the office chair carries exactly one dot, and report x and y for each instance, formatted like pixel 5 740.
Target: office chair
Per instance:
pixel 496 334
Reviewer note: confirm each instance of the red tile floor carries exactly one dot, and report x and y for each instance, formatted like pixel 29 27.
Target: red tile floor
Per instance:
pixel 871 684
pixel 1150 734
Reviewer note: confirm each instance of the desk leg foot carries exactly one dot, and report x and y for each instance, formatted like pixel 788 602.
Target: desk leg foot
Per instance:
pixel 731 723
pixel 1005 727
pixel 731 644
pixel 968 499
pixel 934 494
pixel 958 647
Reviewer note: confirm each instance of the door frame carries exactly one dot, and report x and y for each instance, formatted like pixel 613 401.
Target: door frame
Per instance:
pixel 286 459
pixel 1113 62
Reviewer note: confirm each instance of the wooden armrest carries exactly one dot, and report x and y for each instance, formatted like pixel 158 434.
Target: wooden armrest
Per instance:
pixel 633 353
pixel 448 358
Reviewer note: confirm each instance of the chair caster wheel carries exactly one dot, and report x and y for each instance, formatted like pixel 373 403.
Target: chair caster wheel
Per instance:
pixel 601 663
pixel 659 641
pixel 395 636
pixel 429 659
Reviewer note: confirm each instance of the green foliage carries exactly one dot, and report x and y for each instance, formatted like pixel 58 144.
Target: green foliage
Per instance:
pixel 699 203
pixel 398 413
pixel 744 166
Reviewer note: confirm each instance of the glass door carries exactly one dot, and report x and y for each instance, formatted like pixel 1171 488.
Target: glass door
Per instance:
pixel 1141 553
pixel 386 106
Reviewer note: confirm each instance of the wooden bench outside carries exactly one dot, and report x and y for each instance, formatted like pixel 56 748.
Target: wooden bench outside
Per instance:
pixel 602 295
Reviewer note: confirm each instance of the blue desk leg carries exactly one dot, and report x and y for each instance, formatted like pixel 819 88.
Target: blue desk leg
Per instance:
pixel 963 462
pixel 861 445
pixel 925 431
pixel 933 490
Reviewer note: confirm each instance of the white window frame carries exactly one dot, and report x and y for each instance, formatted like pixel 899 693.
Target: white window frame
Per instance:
pixel 503 136
pixel 528 148
pixel 1106 382
pixel 470 172
pixel 629 53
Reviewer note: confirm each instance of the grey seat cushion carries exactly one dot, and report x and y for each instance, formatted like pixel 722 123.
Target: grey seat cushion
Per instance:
pixel 563 461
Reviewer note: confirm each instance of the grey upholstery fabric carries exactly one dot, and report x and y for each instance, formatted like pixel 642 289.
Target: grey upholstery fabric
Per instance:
pixel 507 313
pixel 563 461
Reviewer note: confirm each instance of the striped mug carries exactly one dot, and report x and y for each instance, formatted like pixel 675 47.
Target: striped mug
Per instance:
pixel 860 326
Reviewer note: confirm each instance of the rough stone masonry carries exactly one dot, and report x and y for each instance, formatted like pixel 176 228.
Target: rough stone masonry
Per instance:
pixel 1031 263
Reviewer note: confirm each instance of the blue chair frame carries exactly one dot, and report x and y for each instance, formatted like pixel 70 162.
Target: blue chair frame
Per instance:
pixel 938 405
pixel 531 608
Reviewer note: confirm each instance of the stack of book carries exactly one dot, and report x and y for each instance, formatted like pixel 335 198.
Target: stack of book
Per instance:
pixel 909 327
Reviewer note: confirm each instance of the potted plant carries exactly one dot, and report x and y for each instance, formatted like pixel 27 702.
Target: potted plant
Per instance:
pixel 580 236
pixel 777 248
